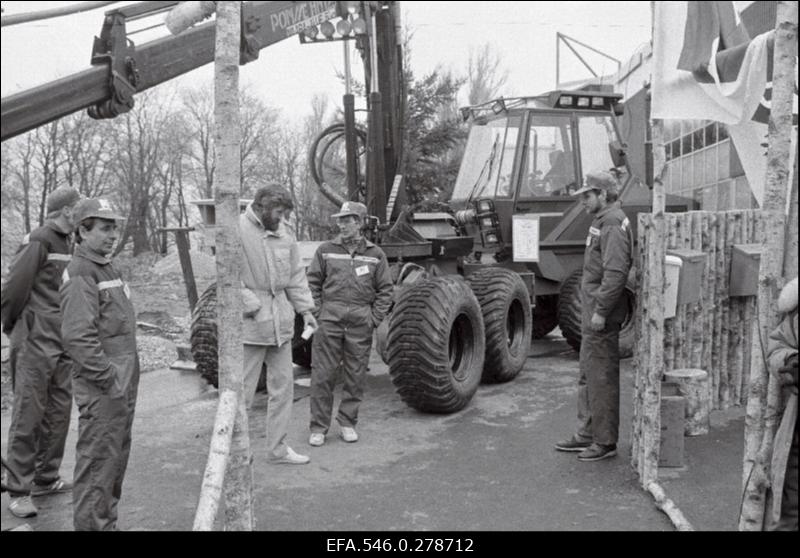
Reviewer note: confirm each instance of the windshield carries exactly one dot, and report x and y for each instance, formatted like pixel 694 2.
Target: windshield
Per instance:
pixel 488 161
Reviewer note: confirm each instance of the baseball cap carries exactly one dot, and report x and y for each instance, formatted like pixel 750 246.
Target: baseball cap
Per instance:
pixel 351 208
pixel 96 207
pixel 597 180
pixel 62 197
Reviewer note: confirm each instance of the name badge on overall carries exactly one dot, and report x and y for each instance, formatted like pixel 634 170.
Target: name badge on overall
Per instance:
pixel 362 270
pixel 593 231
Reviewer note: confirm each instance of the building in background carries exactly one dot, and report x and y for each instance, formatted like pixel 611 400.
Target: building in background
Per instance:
pixel 702 163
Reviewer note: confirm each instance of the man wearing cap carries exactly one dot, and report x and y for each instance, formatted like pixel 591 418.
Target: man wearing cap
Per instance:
pixel 99 331
pixel 275 287
pixel 352 288
pixel 40 368
pixel 606 263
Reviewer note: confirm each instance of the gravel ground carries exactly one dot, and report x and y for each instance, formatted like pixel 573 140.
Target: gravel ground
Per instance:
pixel 159 297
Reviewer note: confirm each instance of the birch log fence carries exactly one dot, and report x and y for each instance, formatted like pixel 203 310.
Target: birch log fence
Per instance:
pixel 713 334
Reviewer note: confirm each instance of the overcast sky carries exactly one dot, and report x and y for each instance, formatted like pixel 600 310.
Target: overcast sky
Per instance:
pixel 287 74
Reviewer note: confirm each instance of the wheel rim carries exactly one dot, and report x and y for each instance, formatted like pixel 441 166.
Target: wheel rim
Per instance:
pixel 515 326
pixel 461 347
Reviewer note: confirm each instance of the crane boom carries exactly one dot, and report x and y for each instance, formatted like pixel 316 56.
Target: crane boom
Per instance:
pixel 120 68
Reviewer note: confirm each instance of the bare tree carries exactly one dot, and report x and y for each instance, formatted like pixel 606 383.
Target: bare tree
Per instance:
pixel 259 130
pixel 198 106
pixel 23 154
pixel 170 182
pixel 9 205
pixel 485 76
pixel 138 142
pixel 87 154
pixel 259 123
pixel 48 146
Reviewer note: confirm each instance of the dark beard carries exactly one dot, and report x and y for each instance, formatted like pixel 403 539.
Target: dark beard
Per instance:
pixel 270 225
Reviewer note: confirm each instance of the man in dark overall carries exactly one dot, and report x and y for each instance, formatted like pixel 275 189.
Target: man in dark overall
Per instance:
pixel 352 289
pixel 99 332
pixel 606 263
pixel 41 370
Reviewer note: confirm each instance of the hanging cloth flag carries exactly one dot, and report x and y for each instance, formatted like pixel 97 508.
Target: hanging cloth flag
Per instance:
pixel 706 67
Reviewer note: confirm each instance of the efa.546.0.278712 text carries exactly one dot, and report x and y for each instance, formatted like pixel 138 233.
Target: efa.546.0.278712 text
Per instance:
pixel 400 544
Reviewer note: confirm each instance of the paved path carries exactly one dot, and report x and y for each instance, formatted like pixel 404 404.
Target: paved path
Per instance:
pixel 489 467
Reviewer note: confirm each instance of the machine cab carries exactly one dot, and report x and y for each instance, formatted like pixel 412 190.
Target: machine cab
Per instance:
pixel 529 154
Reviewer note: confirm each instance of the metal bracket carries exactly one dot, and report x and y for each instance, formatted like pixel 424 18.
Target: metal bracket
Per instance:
pixel 114 49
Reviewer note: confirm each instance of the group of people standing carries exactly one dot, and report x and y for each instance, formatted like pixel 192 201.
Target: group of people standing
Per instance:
pixel 345 294
pixel 73 333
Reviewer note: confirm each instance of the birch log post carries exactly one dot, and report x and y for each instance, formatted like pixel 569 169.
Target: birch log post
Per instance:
pixel 791 247
pixel 707 311
pixel 214 476
pixel 642 339
pixel 695 332
pixel 227 181
pixel 737 326
pixel 684 341
pixel 656 246
pixel 720 298
pixel 761 419
pixel 762 412
pixel 728 333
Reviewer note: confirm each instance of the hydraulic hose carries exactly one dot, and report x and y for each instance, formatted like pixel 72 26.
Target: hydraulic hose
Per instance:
pixel 316 156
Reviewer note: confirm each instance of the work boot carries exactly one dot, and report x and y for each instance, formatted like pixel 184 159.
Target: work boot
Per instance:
pixel 57 486
pixel 572 444
pixel 316 439
pixel 291 458
pixel 596 452
pixel 349 434
pixel 22 507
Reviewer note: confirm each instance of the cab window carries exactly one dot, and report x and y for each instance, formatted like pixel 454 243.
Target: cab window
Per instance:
pixel 548 167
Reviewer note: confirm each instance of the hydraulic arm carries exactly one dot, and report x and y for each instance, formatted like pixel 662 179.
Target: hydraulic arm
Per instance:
pixel 120 68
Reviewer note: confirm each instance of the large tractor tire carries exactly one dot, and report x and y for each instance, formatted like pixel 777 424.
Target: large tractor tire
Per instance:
pixel 545 315
pixel 203 338
pixel 505 305
pixel 436 345
pixel 569 315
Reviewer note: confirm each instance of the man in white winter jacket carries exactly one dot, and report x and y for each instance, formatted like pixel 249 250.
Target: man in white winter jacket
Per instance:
pixel 275 287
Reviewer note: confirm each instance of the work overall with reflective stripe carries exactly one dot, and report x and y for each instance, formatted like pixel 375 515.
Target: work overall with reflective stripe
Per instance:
pixel 606 264
pixel 41 371
pixel 99 331
pixel 352 293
